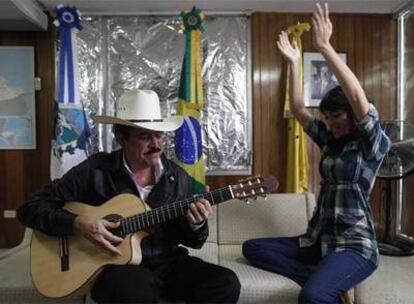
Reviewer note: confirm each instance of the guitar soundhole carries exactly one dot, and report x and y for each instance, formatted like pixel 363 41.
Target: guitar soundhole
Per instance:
pixel 115 218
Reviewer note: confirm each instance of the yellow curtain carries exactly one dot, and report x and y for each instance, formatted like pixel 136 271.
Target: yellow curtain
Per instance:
pixel 297 154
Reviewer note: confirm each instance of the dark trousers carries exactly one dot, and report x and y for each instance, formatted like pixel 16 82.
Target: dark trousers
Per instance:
pixel 323 280
pixel 184 278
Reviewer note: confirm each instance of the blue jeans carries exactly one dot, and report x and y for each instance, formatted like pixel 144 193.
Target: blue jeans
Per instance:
pixel 323 279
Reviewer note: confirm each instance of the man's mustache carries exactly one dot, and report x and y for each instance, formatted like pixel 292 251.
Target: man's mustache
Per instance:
pixel 155 150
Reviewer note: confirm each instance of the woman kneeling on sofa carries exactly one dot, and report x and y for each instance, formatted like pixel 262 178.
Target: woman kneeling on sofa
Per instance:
pixel 339 248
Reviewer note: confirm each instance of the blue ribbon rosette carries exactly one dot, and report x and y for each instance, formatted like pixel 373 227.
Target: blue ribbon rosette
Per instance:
pixel 67 18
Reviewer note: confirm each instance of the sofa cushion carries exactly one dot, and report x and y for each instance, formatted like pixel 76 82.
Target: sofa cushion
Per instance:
pixel 390 283
pixel 212 226
pixel 208 253
pixel 258 286
pixel 278 215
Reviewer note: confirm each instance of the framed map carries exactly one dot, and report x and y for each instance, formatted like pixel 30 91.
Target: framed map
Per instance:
pixel 17 98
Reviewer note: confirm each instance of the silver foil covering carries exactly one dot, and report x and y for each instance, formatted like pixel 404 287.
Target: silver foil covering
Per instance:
pixel 407 77
pixel 123 53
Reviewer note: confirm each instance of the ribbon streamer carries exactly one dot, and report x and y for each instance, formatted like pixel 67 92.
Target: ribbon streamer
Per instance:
pixel 71 129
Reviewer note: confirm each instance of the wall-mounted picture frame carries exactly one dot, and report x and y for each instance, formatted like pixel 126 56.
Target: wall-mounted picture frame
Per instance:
pixel 17 98
pixel 317 78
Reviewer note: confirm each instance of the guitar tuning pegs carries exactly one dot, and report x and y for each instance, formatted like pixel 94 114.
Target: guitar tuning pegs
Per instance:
pixel 253 192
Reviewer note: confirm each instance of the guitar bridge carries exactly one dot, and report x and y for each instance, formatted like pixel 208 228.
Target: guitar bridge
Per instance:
pixel 64 253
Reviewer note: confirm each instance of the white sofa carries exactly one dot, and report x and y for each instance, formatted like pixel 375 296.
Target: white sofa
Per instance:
pixel 234 222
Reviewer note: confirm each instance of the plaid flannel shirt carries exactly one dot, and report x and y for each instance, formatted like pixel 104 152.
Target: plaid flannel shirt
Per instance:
pixel 342 219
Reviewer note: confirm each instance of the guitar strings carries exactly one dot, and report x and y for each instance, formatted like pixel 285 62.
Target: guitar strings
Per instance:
pixel 133 223
pixel 152 217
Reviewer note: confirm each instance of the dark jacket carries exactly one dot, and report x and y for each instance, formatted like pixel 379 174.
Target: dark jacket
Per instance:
pixel 98 179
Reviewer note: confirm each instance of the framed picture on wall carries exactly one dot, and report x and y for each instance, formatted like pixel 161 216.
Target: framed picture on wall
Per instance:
pixel 17 98
pixel 317 77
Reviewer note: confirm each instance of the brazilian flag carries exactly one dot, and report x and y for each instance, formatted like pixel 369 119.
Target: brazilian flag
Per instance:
pixel 188 141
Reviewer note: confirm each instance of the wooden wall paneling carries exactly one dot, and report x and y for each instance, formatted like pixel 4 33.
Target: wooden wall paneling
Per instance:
pixel 266 101
pixel 256 94
pixel 47 97
pixel 359 49
pixel 275 93
pixel 3 199
pixel 267 95
pixel 24 171
pixel 16 182
pixel 278 127
pixel 378 195
pixel 366 53
pixel 389 109
pixel 386 104
pixel 409 57
pixel 407 217
pixel 374 92
pixel 377 203
pixel 263 94
pixel 377 198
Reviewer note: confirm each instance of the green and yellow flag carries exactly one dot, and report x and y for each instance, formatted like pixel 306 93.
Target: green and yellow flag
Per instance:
pixel 297 154
pixel 188 140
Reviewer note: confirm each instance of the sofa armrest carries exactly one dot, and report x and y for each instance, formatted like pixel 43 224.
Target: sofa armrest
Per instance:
pixel 310 204
pixel 25 243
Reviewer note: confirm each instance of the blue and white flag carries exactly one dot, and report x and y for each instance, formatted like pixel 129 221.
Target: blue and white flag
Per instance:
pixel 71 129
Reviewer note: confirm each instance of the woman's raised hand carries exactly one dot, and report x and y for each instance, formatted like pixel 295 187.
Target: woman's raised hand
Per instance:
pixel 321 27
pixel 290 51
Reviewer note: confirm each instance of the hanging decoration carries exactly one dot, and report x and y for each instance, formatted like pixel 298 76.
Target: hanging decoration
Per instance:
pixel 188 140
pixel 71 128
pixel 297 152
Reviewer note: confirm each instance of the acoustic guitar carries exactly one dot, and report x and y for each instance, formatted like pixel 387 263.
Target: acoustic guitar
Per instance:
pixel 65 266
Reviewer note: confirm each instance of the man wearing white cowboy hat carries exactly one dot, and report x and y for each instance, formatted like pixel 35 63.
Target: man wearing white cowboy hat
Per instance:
pixel 140 168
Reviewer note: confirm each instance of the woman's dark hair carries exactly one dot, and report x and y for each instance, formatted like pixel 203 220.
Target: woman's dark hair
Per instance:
pixel 335 100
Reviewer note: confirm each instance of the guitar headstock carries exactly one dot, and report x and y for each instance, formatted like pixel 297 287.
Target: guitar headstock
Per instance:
pixel 254 187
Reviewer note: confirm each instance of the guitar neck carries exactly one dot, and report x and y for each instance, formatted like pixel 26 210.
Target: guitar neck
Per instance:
pixel 171 211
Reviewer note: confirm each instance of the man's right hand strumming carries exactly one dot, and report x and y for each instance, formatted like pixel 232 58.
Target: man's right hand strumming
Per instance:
pixel 96 231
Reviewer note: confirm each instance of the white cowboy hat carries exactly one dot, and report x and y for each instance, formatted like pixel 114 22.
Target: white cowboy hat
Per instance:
pixel 141 108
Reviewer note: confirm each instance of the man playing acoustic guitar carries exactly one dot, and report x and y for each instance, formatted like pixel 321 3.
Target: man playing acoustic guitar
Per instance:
pixel 140 168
